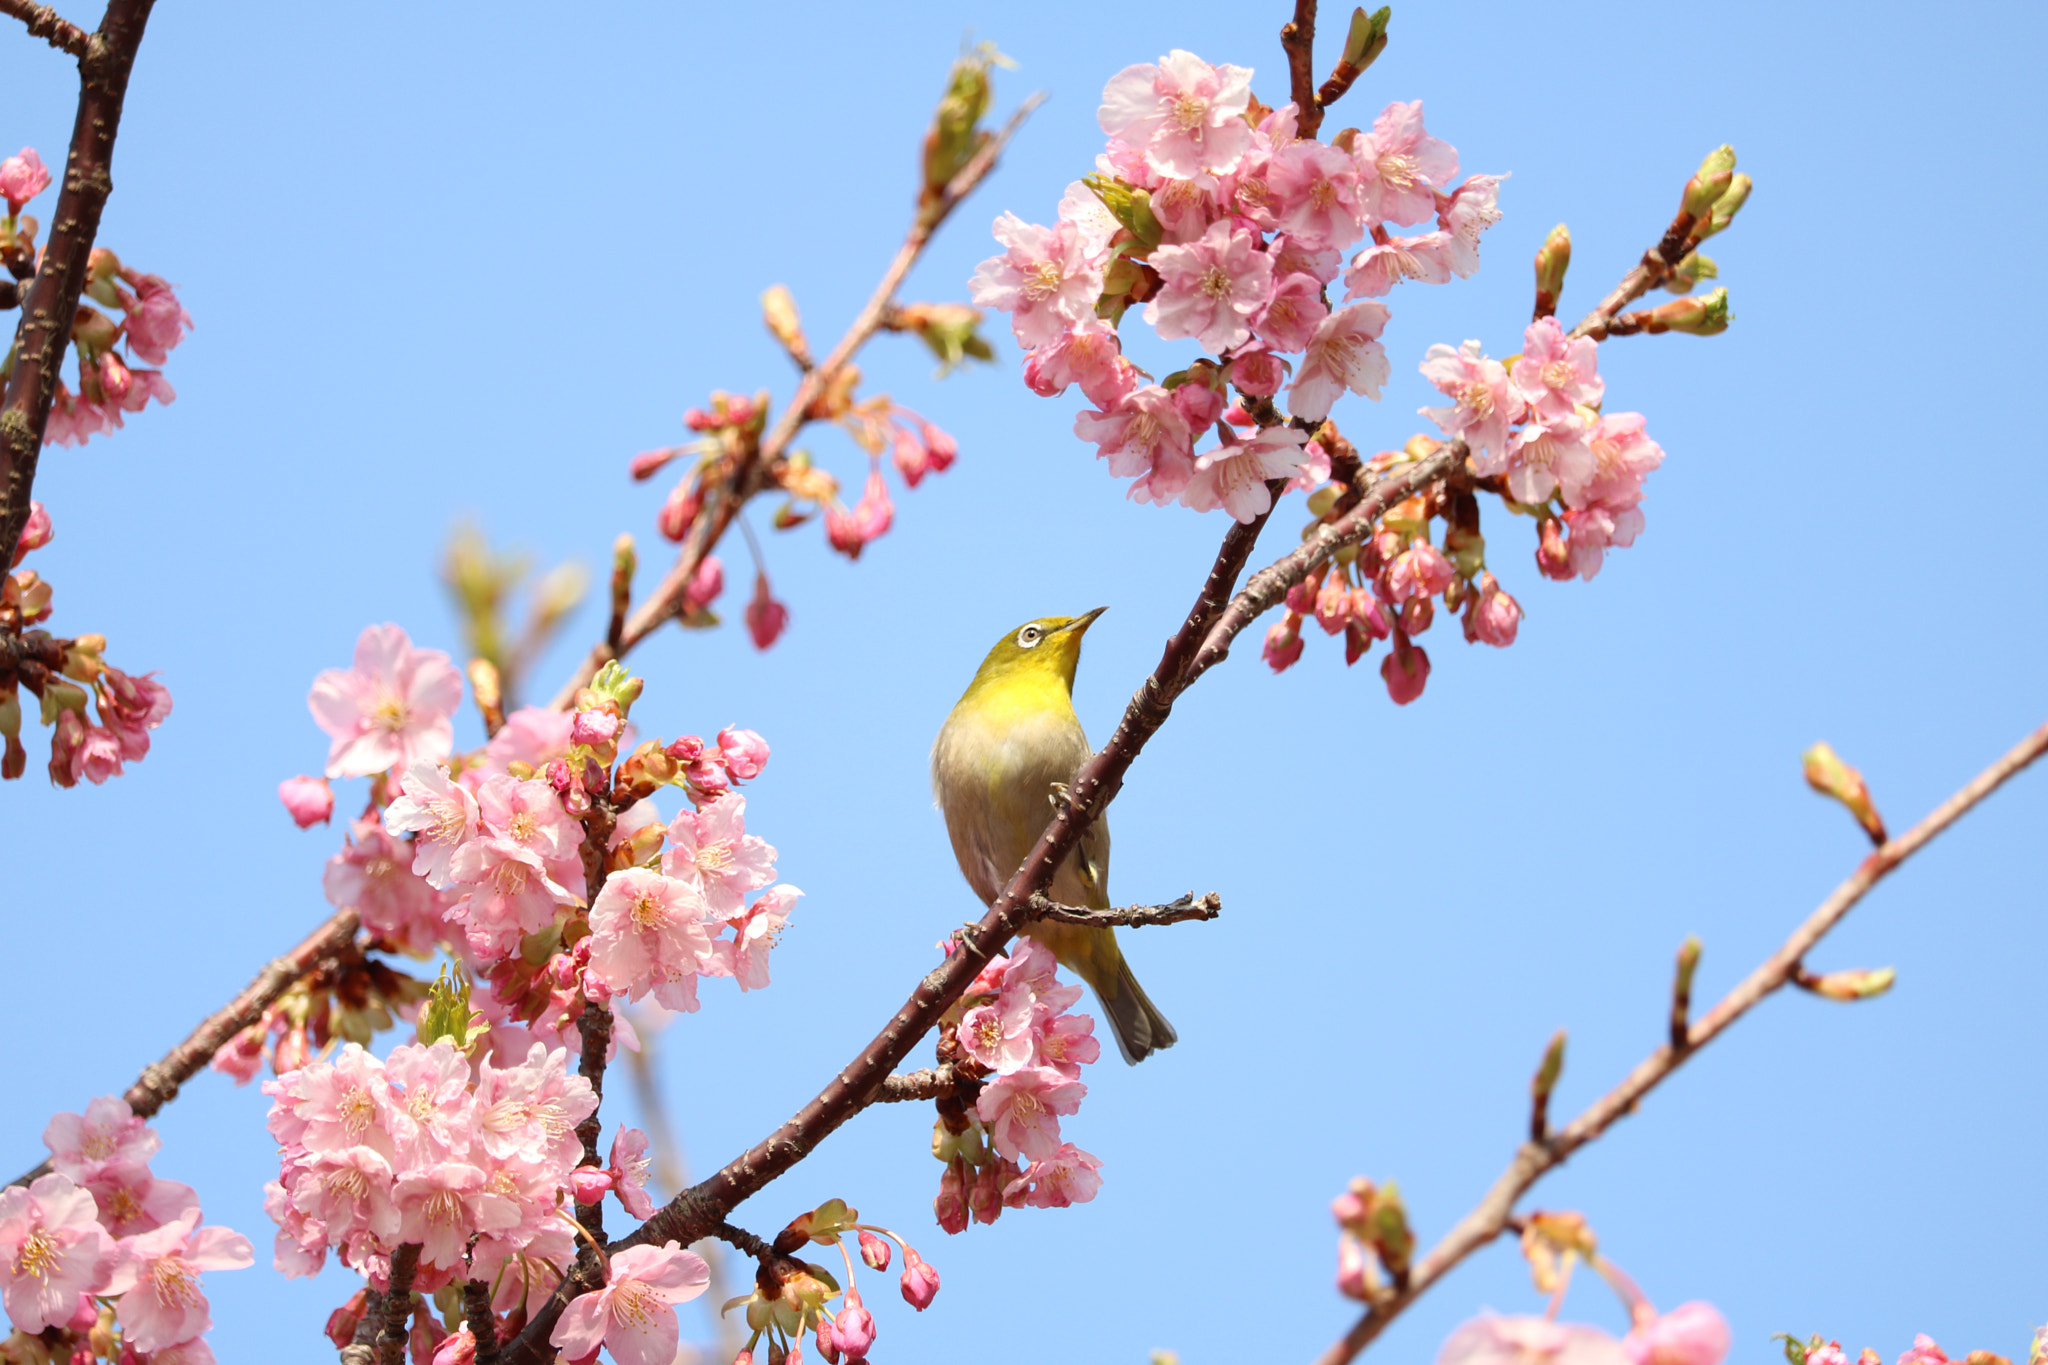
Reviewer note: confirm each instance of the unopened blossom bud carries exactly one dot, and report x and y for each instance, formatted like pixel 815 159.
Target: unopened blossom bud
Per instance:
pixel 1689 272
pixel 645 771
pixel 309 800
pixel 1323 499
pixel 458 1348
pixel 94 331
pixel 874 1250
pixel 677 514
pixel 1353 1273
pixel 1553 557
pixel 341 1323
pixel 950 1206
pixel 1827 774
pixel 1357 642
pixel 708 776
pixel 36 532
pixel 1492 617
pixel 64 743
pixel 1352 1208
pixel 1858 984
pixel 828 1341
pixel 1418 614
pixel 745 752
pixel 1553 258
pixel 1333 604
pixel 687 749
pixel 920 1283
pixel 985 1194
pixel 766 618
pixel 853 1327
pixel 589 1184
pixel 1283 643
pixel 22 177
pixel 778 310
pixel 1725 208
pixel 82 658
pixel 1130 206
pixel 705 585
pixel 955 135
pixel 1405 671
pixel 594 727
pixel 1369 613
pixel 1301 597
pixel 1701 315
pixel 15 760
pixel 650 462
pixel 1710 182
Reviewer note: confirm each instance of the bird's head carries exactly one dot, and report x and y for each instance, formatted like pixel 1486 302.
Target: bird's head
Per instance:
pixel 1049 646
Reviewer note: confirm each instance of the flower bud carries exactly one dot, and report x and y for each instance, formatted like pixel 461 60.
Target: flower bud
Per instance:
pixel 1689 272
pixel 766 618
pixel 341 1323
pixel 1725 208
pixel 1405 671
pixel 1553 558
pixel 646 770
pixel 1354 1274
pixel 1131 207
pixel 778 310
pixel 35 532
pixel 920 1283
pixel 874 1251
pixel 1827 774
pixel 677 514
pixel 82 658
pixel 1702 315
pixel 1553 258
pixel 1283 643
pixel 94 332
pixel 589 1184
pixel 744 752
pixel 1333 604
pixel 950 1207
pixel 309 800
pixel 853 1327
pixel 1857 984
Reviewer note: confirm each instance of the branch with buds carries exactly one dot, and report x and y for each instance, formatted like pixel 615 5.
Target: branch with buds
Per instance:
pixel 1188 907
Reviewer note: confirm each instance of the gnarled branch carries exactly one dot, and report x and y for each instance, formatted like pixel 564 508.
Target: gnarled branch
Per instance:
pixel 1190 906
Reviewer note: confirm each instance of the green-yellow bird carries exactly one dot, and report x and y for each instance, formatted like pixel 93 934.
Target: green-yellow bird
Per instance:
pixel 1010 741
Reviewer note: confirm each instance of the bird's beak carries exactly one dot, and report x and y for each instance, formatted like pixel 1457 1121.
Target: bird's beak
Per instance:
pixel 1082 622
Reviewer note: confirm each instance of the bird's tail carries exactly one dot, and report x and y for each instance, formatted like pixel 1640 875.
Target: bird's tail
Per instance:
pixel 1140 1028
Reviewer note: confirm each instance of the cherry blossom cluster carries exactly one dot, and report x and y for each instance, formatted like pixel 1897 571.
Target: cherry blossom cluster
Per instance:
pixel 66 675
pixel 152 321
pixel 792 1297
pixel 1230 228
pixel 1011 1031
pixel 1816 1350
pixel 103 1249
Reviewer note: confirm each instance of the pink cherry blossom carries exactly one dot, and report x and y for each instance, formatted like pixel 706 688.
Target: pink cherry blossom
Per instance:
pixel 52 1250
pixel 1690 1334
pixel 371 874
pixel 1405 671
pixel 532 735
pixel 766 617
pixel 1283 646
pixel 1294 257
pixel 712 849
pixel 1047 279
pixel 1234 477
pixel 508 890
pixel 1926 1352
pixel 1343 353
pixel 430 1108
pixel 1001 1035
pixel 530 1111
pixel 1082 209
pixel 107 1137
pixel 1418 571
pixel 161 1301
pixel 1186 208
pixel 1485 403
pixel 744 751
pixel 628 1170
pixel 1317 194
pixel 1069 1176
pixel 1145 436
pixel 920 1283
pixel 22 177
pixel 393 709
pixel 1623 457
pixel 1556 374
pixel 849 530
pixel 1183 114
pixel 755 933
pixel 528 814
pixel 95 754
pixel 1466 213
pixel 874 1252
pixel 853 1327
pixel 440 812
pixel 1426 259
pixel 1290 318
pixel 1596 529
pixel 439 1208
pixel 1402 166
pixel 1211 288
pixel 1088 354
pixel 1550 453
pixel 36 532
pixel 156 321
pixel 1529 1341
pixel 1022 1111
pixel 647 933
pixel 1257 372
pixel 309 800
pixel 633 1315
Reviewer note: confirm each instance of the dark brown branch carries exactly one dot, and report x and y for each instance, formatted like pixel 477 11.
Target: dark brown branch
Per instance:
pixel 45 23
pixel 405 1263
pixel 1642 277
pixel 932 1083
pixel 748 477
pixel 1190 906
pixel 1494 1213
pixel 482 1322
pixel 51 303
pixel 159 1082
pixel 1298 40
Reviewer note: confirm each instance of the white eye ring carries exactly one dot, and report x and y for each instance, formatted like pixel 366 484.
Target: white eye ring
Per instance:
pixel 1028 637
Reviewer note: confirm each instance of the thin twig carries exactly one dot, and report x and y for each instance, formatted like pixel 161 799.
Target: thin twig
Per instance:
pixel 748 475
pixel 45 23
pixel 1641 278
pixel 51 304
pixel 1491 1217
pixel 159 1082
pixel 1298 40
pixel 1190 906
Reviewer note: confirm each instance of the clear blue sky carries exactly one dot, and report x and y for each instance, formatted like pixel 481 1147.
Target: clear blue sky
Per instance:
pixel 464 261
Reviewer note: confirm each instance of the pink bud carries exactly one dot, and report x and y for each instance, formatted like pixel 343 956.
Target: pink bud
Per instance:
pixel 920 1282
pixel 828 1344
pixel 1301 598
pixel 1283 644
pixel 1493 617
pixel 984 1198
pixel 705 584
pixel 684 502
pixel 559 776
pixel 457 1349
pixel 1351 1281
pixel 1333 604
pixel 594 727
pixel 85 1316
pixel 1553 558
pixel 745 753
pixel 309 799
pixel 766 617
pixel 950 1207
pixel 292 1050
pixel 1257 374
pixel 341 1323
pixel 874 1251
pixel 1198 403
pixel 940 449
pixel 1369 612
pixel 853 1329
pixel 1405 671
pixel 688 749
pixel 242 1056
pixel 35 532
pixel 909 455
pixel 1349 1210
pixel 22 177
pixel 647 462
pixel 708 775
pixel 590 1184
pixel 114 378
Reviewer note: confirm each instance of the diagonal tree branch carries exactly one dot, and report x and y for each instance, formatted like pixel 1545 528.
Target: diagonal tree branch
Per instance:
pixel 50 305
pixel 1533 1160
pixel 45 23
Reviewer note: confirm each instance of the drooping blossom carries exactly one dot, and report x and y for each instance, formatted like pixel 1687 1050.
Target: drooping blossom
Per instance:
pixel 849 530
pixel 1403 167
pixel 1182 114
pixel 1234 476
pixel 1088 354
pixel 853 1327
pixel 1405 670
pixel 757 931
pixel 131 707
pixel 161 1301
pixel 1047 279
pixel 22 177
pixel 1485 403
pixel 1491 616
pixel 1069 1176
pixel 628 1170
pixel 1283 646
pixel 1343 353
pixel 156 322
pixel 1529 1341
pixel 1211 287
pixel 1143 437
pixel 393 709
pixel 52 1250
pixel 633 1315
pixel 1465 214
pixel 1022 1109
pixel 766 617
pixel 1555 373
pixel 308 800
pixel 920 1283
pixel 1418 571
